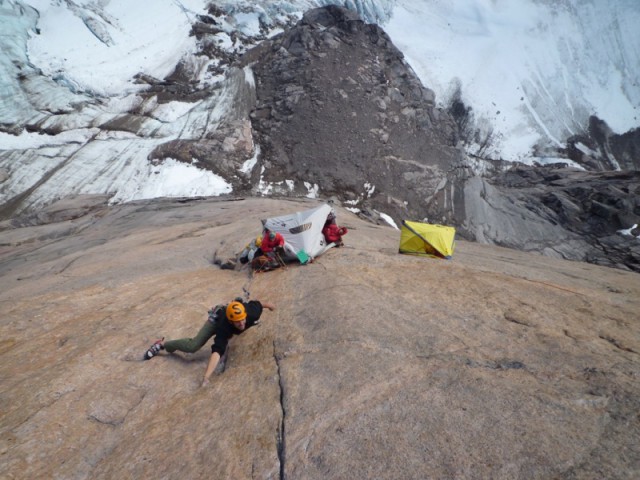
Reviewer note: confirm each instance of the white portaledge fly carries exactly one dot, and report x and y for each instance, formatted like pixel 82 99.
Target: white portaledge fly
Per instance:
pixel 303 232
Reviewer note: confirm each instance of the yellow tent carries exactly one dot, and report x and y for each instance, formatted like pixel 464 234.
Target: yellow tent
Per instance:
pixel 425 239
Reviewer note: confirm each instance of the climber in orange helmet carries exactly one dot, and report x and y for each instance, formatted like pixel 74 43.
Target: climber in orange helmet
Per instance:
pixel 224 322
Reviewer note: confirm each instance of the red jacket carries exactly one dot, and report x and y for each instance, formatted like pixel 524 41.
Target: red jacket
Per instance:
pixel 333 233
pixel 268 245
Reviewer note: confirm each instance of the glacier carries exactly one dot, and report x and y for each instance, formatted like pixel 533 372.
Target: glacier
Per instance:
pixel 532 71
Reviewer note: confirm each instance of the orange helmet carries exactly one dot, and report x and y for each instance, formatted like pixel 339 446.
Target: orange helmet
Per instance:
pixel 236 312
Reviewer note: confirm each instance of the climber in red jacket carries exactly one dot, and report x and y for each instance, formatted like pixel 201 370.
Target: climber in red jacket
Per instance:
pixel 332 232
pixel 271 241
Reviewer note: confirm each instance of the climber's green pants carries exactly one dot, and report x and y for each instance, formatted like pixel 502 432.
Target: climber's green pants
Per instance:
pixel 191 345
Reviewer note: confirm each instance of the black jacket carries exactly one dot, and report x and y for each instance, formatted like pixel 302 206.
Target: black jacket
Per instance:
pixel 225 329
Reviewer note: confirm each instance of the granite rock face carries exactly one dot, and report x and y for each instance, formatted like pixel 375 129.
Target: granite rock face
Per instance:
pixel 496 364
pixel 554 210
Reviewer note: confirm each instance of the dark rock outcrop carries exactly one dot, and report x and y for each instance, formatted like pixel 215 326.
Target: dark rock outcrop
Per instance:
pixel 339 107
pixel 601 149
pixel 554 210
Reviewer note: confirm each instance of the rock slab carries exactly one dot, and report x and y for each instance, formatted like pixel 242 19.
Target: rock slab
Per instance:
pixel 497 364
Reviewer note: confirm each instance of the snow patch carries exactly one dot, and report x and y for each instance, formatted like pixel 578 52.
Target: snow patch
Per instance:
pixel 269 188
pixel 369 188
pixel 249 77
pixel 27 140
pixel 388 219
pixel 552 160
pixel 180 179
pixel 122 39
pixel 248 165
pixel 248 23
pixel 312 190
pixel 172 111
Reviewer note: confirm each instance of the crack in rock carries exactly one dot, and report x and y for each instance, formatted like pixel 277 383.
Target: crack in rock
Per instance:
pixel 617 343
pixel 281 441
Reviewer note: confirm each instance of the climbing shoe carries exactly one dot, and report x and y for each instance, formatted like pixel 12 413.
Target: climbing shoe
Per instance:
pixel 154 349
